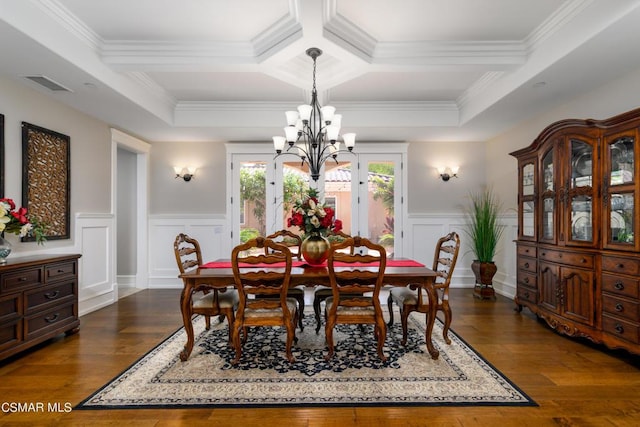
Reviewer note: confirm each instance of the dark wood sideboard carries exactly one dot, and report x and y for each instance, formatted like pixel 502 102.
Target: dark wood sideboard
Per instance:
pixel 38 300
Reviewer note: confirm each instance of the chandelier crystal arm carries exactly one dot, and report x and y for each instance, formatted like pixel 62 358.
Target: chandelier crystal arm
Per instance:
pixel 316 127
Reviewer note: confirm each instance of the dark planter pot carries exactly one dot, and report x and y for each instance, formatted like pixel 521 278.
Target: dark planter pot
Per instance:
pixel 484 272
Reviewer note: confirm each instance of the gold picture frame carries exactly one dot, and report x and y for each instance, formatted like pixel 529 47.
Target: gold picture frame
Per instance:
pixel 46 179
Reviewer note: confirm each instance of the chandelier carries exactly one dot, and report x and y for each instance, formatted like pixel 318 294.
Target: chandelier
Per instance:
pixel 312 131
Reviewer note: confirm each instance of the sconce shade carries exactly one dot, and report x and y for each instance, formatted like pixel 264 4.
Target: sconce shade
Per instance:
pixel 446 173
pixel 186 173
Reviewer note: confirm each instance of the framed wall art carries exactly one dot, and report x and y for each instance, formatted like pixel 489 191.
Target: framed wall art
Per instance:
pixel 46 179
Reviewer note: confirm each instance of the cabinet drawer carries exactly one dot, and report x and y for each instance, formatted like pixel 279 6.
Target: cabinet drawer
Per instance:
pixel 620 285
pixel 10 334
pixel 621 265
pixel 621 307
pixel 41 298
pixel 527 264
pixel 59 271
pixel 10 307
pixel 21 279
pixel 527 251
pixel 526 293
pixel 527 279
pixel 50 319
pixel 621 329
pixel 570 258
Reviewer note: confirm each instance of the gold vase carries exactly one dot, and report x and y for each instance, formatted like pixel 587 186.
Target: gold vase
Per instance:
pixel 315 249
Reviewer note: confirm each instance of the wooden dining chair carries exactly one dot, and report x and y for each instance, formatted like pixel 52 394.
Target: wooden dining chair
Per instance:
pixel 293 242
pixel 348 304
pixel 205 301
pixel 444 261
pixel 258 280
pixel 321 293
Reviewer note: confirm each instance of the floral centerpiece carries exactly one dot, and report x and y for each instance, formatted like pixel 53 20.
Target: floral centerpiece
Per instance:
pixel 313 217
pixel 315 220
pixel 17 221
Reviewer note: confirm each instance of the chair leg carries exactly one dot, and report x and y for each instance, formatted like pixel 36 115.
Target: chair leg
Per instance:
pixel 447 321
pixel 390 305
pixel 207 322
pixel 300 311
pixel 328 332
pixel 231 318
pixel 291 336
pixel 237 326
pixel 316 309
pixel 404 315
pixel 381 329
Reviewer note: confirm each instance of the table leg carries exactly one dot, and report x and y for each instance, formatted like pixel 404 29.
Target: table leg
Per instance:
pixel 431 319
pixel 185 308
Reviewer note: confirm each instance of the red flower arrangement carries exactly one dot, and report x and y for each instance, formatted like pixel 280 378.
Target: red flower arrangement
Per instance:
pixel 16 221
pixel 313 217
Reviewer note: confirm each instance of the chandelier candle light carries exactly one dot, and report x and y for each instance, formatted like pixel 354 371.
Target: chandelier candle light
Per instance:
pixel 317 128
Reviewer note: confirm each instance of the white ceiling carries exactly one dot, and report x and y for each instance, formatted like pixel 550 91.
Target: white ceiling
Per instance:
pixel 220 70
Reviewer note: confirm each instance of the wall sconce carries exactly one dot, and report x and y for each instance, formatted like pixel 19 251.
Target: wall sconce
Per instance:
pixel 185 173
pixel 446 173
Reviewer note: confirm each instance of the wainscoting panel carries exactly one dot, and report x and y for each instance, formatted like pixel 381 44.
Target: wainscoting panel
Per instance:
pixel 423 231
pixel 95 238
pixel 163 229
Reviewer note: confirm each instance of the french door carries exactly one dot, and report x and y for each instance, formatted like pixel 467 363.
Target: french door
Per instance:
pixel 365 189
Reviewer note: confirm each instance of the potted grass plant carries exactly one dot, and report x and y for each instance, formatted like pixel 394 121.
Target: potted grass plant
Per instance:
pixel 484 231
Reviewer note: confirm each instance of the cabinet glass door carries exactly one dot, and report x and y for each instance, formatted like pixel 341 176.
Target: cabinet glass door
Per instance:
pixel 527 202
pixel 621 155
pixel 580 192
pixel 621 218
pixel 620 191
pixel 548 197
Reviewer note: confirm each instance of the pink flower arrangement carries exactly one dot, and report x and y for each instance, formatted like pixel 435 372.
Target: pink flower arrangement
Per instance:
pixel 313 217
pixel 17 221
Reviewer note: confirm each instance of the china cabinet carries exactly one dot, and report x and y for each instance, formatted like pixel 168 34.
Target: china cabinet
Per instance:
pixel 578 261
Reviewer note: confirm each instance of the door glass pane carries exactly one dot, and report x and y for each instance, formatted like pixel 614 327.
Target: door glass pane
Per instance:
pixel 252 200
pixel 528 218
pixel 381 201
pixel 581 164
pixel 527 180
pixel 337 192
pixel 581 222
pixel 622 164
pixel 547 218
pixel 621 208
pixel 295 186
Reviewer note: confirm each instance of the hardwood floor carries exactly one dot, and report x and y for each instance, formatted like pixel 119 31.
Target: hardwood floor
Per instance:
pixel 574 382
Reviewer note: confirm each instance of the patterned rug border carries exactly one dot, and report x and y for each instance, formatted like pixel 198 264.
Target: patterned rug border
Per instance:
pixel 526 402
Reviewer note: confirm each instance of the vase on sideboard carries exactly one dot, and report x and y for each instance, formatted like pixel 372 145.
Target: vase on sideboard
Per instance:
pixel 5 250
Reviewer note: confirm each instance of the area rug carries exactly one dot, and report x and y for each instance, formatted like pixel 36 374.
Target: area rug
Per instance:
pixel 354 377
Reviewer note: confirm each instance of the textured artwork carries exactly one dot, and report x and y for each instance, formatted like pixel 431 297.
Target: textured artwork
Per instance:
pixel 45 179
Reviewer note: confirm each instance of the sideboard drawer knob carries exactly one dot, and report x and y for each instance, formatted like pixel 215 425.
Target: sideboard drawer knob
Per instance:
pixel 619 329
pixel 619 285
pixel 619 307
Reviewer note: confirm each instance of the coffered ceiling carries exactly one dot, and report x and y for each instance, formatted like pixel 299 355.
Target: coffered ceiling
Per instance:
pixel 220 70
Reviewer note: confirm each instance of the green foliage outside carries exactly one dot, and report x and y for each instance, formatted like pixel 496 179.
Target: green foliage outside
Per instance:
pixel 247 234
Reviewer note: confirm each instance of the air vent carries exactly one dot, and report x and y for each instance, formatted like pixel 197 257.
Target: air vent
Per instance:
pixel 48 83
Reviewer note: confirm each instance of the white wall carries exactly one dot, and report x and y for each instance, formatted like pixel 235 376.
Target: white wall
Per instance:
pixel 91 216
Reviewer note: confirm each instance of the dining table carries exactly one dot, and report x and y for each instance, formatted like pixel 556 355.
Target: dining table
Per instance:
pixel 218 274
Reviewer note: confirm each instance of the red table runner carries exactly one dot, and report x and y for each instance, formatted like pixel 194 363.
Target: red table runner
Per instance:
pixel 296 263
